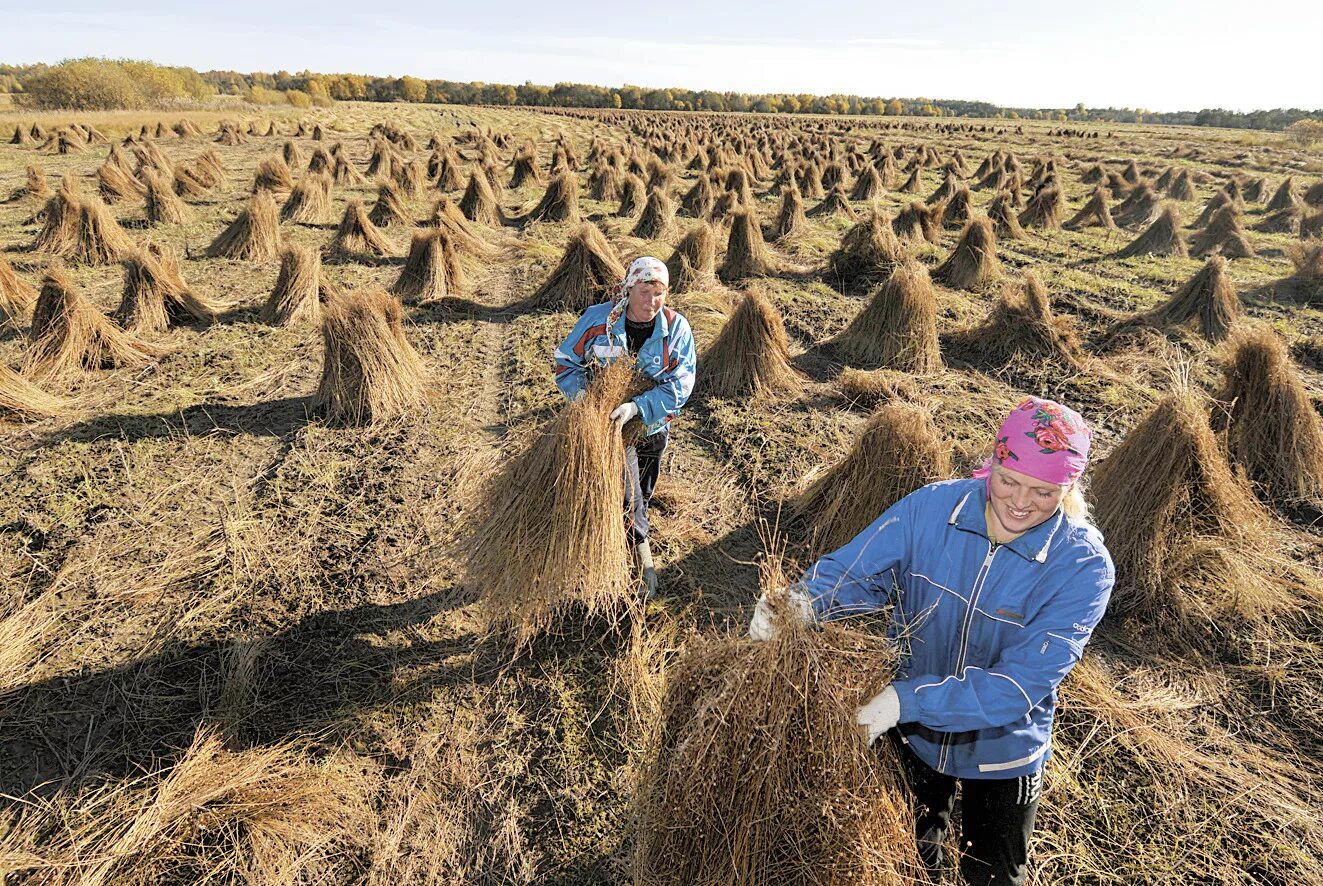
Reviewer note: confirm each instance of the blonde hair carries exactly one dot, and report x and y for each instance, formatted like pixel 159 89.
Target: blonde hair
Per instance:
pixel 1074 504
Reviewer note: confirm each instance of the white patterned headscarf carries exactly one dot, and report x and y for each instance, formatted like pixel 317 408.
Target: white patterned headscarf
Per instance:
pixel 644 269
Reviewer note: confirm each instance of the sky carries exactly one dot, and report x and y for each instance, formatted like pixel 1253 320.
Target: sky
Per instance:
pixel 1022 53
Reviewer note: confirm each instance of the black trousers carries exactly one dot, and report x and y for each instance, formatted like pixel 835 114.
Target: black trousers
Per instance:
pixel 997 817
pixel 642 468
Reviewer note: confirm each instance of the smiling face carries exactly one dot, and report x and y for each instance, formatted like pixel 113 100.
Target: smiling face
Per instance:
pixel 645 300
pixel 1021 502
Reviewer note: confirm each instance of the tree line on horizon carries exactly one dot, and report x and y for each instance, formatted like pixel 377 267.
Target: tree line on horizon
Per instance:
pixel 92 83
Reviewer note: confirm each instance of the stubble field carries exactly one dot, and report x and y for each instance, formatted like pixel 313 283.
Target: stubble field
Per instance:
pixel 237 642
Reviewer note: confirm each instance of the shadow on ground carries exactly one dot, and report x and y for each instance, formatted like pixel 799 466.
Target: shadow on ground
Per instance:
pixel 123 720
pixel 273 418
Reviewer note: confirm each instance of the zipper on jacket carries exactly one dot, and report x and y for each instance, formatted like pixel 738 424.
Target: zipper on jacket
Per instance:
pixel 964 638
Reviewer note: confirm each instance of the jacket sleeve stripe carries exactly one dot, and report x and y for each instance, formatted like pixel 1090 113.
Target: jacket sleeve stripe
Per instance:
pixel 1029 705
pixel 590 333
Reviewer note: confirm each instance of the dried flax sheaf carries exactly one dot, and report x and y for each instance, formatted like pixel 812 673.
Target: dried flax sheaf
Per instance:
pixel 552 535
pixel 898 450
pixel 758 772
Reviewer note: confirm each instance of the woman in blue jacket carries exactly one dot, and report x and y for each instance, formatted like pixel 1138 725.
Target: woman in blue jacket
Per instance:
pixel 636 322
pixel 997 584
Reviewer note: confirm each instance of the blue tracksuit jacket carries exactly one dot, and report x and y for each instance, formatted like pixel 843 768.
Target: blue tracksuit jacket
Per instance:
pixel 986 634
pixel 667 357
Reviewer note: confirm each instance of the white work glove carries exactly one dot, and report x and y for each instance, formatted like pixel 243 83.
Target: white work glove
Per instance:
pixel 623 413
pixel 579 395
pixel 880 714
pixel 761 627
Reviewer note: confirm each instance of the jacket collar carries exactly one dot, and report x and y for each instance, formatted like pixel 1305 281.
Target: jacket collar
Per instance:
pixel 1032 545
pixel 659 325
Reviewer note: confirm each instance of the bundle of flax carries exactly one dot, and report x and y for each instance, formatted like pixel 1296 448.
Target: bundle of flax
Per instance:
pixel 759 773
pixel 552 533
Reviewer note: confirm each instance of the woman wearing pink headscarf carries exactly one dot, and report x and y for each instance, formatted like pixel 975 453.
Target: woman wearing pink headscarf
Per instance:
pixel 996 584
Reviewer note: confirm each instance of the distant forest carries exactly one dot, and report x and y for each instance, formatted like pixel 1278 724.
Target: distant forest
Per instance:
pixel 48 86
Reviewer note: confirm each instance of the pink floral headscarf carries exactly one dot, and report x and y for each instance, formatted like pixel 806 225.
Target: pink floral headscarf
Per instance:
pixel 643 269
pixel 1045 440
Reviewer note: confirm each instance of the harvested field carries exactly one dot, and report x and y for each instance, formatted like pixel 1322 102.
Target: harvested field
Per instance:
pixel 238 637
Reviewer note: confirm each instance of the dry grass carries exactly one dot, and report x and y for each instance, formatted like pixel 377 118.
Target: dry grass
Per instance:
pixel 1094 213
pixel 658 219
pixel 1225 235
pixel 429 270
pixel 447 216
pixel 790 220
pixel 448 177
pixel 958 209
pixel 835 205
pixel 269 815
pixel 295 298
pixel 1143 206
pixel 604 183
pixel 1307 258
pixel 1196 775
pixel 693 265
pixel 101 241
pixel 70 333
pixel 868 186
pixel 699 200
pixel 163 205
pixel 868 253
pixel 531 570
pixel 751 356
pixel 211 169
pixel 389 208
pixel 897 329
pixel 1207 301
pixel 16 296
pixel 1273 431
pixel 479 202
pixel 875 387
pixel 292 154
pixel 21 400
pixel 309 202
pixel 273 175
pixel 370 371
pixel 588 271
pixel 747 254
pixel 633 196
pixel 254 235
pixel 1191 546
pixel 1001 212
pixel 156 297
pixel 59 220
pixel 526 169
pixel 215 557
pixel 357 237
pixel 81 229
pixel 973 264
pixel 918 223
pixel 1021 330
pixel 1163 237
pixel 115 181
pixel 35 188
pixel 898 450
pixel 560 203
pixel 759 774
pixel 1044 209
pixel 345 173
